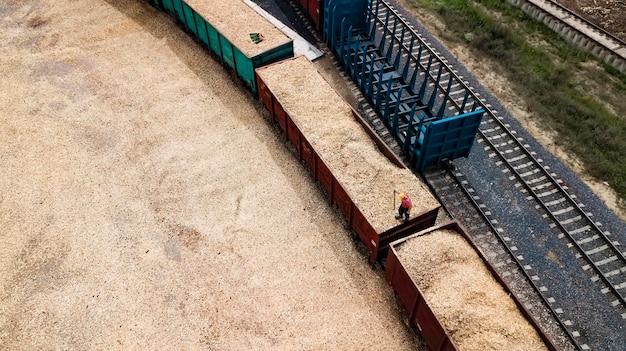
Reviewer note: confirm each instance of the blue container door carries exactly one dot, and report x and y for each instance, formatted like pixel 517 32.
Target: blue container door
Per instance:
pixel 448 139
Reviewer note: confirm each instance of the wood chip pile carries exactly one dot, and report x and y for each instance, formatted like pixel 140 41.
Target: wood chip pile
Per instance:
pixel 146 203
pixel 235 20
pixel 327 122
pixel 472 306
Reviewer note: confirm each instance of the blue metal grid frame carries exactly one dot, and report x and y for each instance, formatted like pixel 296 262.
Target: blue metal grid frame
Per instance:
pixel 408 84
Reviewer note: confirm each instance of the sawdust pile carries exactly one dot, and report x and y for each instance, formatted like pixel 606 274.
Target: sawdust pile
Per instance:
pixel 327 122
pixel 472 306
pixel 147 204
pixel 235 20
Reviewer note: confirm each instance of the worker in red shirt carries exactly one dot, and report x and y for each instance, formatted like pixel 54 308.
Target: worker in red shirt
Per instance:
pixel 405 207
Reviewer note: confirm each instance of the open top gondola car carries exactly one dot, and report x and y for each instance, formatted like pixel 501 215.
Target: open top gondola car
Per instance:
pixel 241 38
pixel 454 296
pixel 354 170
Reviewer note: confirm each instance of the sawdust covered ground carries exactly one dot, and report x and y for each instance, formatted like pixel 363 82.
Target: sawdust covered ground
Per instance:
pixel 147 204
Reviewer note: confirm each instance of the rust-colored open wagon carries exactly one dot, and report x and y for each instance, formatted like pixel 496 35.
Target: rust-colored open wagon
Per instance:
pixel 455 298
pixel 356 169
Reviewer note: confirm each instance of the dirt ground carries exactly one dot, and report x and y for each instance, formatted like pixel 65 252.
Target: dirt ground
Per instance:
pixel 607 14
pixel 486 72
pixel 147 203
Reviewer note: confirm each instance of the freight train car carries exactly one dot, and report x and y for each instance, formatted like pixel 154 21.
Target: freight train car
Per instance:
pixel 356 172
pixel 455 298
pixel 314 10
pixel 241 38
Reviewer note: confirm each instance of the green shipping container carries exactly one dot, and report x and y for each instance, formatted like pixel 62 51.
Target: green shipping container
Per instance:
pixel 239 53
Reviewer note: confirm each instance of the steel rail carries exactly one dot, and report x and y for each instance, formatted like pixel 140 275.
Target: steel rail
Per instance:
pixel 614 47
pixel 587 22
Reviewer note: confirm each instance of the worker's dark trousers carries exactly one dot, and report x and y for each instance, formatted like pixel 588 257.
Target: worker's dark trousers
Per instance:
pixel 402 211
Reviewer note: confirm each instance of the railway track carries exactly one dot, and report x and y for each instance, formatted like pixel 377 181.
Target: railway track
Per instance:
pixel 577 30
pixel 591 244
pixel 594 248
pixel 460 199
